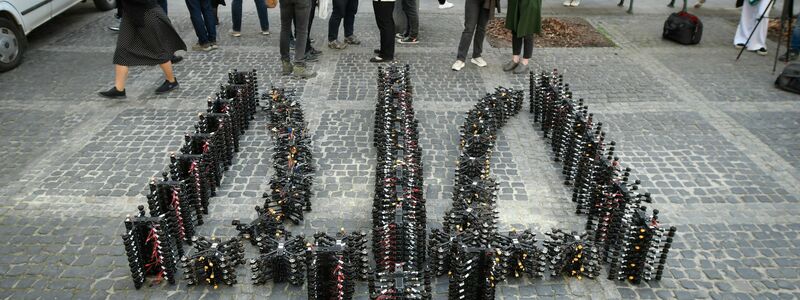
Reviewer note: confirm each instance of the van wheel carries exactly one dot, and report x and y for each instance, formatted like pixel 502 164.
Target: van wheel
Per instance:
pixel 12 44
pixel 105 4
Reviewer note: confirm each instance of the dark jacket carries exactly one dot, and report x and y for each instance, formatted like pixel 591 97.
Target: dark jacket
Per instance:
pixel 524 17
pixel 135 9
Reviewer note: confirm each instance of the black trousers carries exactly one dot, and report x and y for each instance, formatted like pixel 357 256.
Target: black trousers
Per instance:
pixel 294 11
pixel 342 9
pixel 518 42
pixel 383 17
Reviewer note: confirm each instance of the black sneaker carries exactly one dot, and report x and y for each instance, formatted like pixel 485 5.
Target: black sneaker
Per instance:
pixel 311 57
pixel 788 56
pixel 113 93
pixel 176 59
pixel 315 51
pixel 167 86
pixel 408 40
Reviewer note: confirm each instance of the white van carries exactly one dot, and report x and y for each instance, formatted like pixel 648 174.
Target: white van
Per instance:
pixel 20 17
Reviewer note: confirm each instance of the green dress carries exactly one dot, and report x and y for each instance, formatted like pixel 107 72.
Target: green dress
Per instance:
pixel 524 17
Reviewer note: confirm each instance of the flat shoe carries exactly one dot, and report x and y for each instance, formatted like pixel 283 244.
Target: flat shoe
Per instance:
pixel 113 93
pixel 167 86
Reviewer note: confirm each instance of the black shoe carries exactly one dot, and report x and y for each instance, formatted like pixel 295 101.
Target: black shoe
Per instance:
pixel 761 51
pixel 310 57
pixel 314 51
pixel 176 59
pixel 167 86
pixel 113 93
pixel 378 59
pixel 788 56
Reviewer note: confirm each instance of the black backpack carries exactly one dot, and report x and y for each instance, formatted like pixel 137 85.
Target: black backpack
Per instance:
pixel 789 80
pixel 684 28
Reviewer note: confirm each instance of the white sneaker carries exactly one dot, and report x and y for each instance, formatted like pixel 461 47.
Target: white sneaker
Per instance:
pixel 458 65
pixel 446 5
pixel 575 3
pixel 236 33
pixel 567 2
pixel 265 32
pixel 478 61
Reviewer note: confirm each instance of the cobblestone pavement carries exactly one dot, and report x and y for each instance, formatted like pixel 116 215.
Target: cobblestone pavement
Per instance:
pixel 711 138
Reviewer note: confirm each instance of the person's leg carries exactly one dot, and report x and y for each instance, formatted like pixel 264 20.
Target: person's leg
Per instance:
pixel 472 9
pixel 516 47
pixel 312 10
pixel 350 17
pixel 338 13
pixel 287 13
pixel 210 20
pixel 480 32
pixel 383 17
pixel 528 43
pixel 196 15
pixel 759 39
pixel 794 40
pixel 236 14
pixel 263 17
pixel 167 68
pixel 301 9
pixel 411 7
pixel 120 76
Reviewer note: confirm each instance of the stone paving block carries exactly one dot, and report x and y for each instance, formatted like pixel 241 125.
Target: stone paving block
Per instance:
pixel 778 130
pixel 117 145
pixel 354 79
pixel 28 133
pixel 680 158
pixel 700 68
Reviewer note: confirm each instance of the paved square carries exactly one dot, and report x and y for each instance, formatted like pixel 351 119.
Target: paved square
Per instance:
pixel 711 139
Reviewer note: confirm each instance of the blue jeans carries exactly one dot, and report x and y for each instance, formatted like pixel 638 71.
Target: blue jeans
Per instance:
pixel 795 43
pixel 261 9
pixel 203 20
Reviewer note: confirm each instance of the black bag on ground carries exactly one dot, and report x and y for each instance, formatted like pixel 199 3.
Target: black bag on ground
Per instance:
pixel 789 80
pixel 684 28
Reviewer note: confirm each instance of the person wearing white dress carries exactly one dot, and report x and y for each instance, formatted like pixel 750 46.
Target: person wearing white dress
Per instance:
pixel 752 10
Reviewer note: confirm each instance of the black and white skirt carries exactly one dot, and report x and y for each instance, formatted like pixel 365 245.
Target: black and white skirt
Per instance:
pixel 152 44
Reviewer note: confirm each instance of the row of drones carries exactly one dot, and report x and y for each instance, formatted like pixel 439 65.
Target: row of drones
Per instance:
pixel 468 247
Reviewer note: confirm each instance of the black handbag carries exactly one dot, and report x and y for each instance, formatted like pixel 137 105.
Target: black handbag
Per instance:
pixel 684 28
pixel 789 80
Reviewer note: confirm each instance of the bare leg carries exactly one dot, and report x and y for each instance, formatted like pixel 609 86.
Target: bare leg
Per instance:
pixel 524 61
pixel 120 76
pixel 167 68
pixel 515 58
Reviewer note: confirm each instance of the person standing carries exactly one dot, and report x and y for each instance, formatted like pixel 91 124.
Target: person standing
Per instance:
pixel 411 10
pixel 312 54
pixel 752 10
pixel 146 38
pixel 263 18
pixel 476 15
pixel 794 43
pixel 383 17
pixel 523 18
pixel 296 11
pixel 204 23
pixel 342 9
